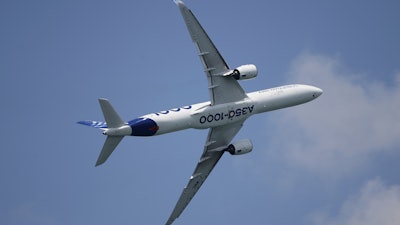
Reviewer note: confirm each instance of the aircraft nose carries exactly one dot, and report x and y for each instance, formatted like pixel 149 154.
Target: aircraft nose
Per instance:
pixel 317 92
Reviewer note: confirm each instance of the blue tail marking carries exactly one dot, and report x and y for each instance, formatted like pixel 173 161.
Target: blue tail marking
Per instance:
pixel 95 124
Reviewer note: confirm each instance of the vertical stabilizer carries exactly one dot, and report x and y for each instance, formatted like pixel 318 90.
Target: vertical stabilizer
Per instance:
pixel 112 118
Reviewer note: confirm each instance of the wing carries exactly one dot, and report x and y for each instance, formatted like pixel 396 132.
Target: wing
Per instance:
pixel 217 140
pixel 222 89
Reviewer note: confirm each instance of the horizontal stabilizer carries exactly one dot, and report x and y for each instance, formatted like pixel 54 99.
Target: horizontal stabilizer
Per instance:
pixel 95 124
pixel 108 147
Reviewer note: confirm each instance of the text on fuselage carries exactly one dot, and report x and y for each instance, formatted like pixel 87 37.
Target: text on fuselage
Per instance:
pixel 227 115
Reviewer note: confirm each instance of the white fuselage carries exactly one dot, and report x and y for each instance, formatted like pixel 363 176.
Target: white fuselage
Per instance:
pixel 204 115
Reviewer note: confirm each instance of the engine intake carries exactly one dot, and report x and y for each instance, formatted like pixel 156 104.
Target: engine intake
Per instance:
pixel 244 72
pixel 240 147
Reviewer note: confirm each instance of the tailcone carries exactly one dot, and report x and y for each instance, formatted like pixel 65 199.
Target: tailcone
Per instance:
pixel 120 131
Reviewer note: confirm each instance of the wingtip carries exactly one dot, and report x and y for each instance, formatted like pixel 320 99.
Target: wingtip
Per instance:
pixel 100 160
pixel 179 3
pixel 103 99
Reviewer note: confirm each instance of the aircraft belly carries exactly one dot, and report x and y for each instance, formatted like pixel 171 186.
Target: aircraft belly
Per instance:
pixel 175 119
pixel 202 116
pixel 172 123
pixel 219 115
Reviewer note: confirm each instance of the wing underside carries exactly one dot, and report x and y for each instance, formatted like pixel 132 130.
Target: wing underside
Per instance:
pixel 222 89
pixel 217 140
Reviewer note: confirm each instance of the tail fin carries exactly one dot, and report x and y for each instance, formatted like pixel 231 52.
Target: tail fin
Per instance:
pixel 108 147
pixel 110 115
pixel 113 120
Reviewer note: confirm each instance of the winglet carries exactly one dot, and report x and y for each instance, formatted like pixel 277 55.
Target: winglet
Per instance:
pixel 178 2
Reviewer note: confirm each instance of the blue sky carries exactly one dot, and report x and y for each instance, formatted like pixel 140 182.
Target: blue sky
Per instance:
pixel 331 161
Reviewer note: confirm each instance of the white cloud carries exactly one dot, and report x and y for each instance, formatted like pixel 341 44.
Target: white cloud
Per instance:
pixel 375 204
pixel 350 122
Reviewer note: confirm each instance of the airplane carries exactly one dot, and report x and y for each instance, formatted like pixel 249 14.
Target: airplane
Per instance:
pixel 223 115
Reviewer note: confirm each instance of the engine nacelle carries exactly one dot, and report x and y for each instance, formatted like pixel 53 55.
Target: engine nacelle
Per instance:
pixel 244 72
pixel 240 147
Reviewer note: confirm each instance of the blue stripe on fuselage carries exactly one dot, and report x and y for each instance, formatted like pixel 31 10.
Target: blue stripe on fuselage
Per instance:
pixel 143 127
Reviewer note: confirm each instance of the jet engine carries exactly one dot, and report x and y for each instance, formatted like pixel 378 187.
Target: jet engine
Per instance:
pixel 240 147
pixel 244 72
